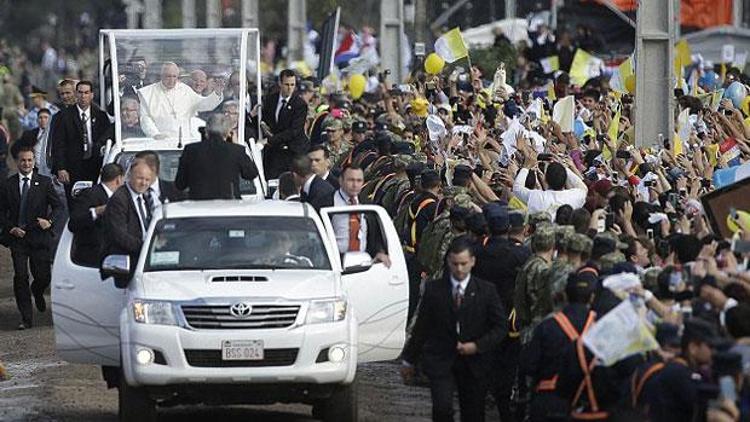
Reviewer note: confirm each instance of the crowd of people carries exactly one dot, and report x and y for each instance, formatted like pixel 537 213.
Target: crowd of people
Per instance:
pixel 519 236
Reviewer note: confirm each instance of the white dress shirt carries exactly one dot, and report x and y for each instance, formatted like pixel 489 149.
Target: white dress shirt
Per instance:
pixel 20 181
pixel 459 286
pixel 155 193
pixel 549 201
pixel 308 183
pixel 165 111
pixel 92 210
pixel 134 196
pixel 87 113
pixel 340 224
pixel 278 106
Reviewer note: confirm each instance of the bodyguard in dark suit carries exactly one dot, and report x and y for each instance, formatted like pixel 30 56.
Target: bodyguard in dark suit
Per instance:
pixel 459 322
pixel 212 168
pixel 284 115
pixel 321 164
pixel 28 207
pixel 79 134
pixel 86 220
pixel 160 191
pixel 128 216
pixel 315 191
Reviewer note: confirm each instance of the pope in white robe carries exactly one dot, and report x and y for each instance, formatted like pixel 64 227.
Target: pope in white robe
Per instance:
pixel 170 106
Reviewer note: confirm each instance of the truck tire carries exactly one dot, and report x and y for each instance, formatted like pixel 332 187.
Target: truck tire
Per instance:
pixel 135 403
pixel 342 406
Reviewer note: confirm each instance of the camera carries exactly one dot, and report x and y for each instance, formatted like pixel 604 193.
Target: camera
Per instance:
pixel 649 183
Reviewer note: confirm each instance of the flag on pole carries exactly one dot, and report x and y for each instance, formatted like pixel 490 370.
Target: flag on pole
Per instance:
pixel 550 64
pixel 564 113
pixel 612 131
pixel 551 91
pixel 683 131
pixel 584 67
pixel 327 42
pixel 450 46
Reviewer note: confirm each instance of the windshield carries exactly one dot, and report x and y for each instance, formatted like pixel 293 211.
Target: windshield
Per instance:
pixel 171 82
pixel 236 243
pixel 169 161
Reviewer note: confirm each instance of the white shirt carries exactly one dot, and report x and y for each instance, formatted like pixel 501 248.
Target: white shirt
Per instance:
pixel 20 181
pixel 340 224
pixel 549 201
pixel 156 193
pixel 278 106
pixel 165 111
pixel 459 286
pixel 92 210
pixel 86 112
pixel 308 183
pixel 134 196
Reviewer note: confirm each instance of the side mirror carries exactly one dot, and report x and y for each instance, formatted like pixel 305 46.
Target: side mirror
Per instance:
pixel 116 266
pixel 356 262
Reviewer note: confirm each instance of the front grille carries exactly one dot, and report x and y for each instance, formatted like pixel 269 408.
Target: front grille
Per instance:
pixel 252 278
pixel 212 359
pixel 261 317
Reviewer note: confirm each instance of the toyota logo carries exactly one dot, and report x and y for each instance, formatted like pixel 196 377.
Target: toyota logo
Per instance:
pixel 241 310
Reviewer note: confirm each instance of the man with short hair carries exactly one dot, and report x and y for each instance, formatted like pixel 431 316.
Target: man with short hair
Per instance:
pixel 168 106
pixel 315 191
pixel 283 124
pixel 288 187
pixel 320 158
pixel 38 101
pixel 78 139
pixel 37 138
pixel 212 168
pixel 86 221
pixel 66 95
pixel 198 81
pixel 459 323
pixel 127 217
pixel 28 208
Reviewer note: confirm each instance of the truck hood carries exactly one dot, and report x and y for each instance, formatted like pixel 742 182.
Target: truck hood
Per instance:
pixel 271 284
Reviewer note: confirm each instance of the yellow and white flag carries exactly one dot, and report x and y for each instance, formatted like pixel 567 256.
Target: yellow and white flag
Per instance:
pixel 564 113
pixel 451 46
pixel 584 67
pixel 550 64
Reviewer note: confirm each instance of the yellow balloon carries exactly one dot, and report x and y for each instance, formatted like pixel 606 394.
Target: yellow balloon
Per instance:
pixel 630 84
pixel 357 86
pixel 742 216
pixel 434 64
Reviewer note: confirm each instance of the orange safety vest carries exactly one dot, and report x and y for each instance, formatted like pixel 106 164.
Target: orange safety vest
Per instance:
pixel 637 384
pixel 593 413
pixel 570 331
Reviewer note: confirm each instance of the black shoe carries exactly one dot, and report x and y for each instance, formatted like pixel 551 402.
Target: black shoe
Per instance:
pixel 24 325
pixel 41 304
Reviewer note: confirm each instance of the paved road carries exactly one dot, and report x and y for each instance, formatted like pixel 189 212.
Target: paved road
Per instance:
pixel 44 388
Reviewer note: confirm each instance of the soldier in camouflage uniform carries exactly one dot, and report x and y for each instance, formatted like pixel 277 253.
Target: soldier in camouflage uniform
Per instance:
pixel 557 273
pixel 577 250
pixel 337 145
pixel 532 298
pixel 607 251
pixel 535 220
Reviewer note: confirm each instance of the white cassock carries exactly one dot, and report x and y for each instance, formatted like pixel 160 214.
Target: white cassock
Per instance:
pixel 164 112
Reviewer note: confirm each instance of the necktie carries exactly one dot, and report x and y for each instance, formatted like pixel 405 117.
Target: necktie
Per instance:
pixel 458 297
pixel 142 211
pixel 354 225
pixel 283 103
pixel 87 147
pixel 149 197
pixel 23 209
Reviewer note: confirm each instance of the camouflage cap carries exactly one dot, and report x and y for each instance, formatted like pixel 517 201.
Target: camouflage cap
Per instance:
pixel 463 200
pixel 543 238
pixel 608 261
pixel 538 218
pixel 613 237
pixel 580 243
pixel 332 123
pixel 562 235
pixel 401 161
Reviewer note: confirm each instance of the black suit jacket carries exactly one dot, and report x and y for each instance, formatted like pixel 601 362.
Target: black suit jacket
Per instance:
pixel 320 195
pixel 29 137
pixel 67 143
pixel 89 233
pixel 169 192
pixel 288 138
pixel 42 202
pixel 333 181
pixel 123 230
pixel 211 169
pixel 434 337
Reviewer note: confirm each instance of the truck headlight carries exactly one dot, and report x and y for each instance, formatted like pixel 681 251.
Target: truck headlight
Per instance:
pixel 154 312
pixel 326 311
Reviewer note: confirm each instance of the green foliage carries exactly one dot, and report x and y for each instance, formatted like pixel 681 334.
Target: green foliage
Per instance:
pixel 489 58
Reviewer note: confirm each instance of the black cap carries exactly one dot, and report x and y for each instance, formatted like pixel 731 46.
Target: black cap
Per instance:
pixel 476 223
pixel 359 127
pixel 668 335
pixel 700 330
pixel 497 216
pixel 582 281
pixel 726 363
pixel 430 176
pixel 462 172
pixel 516 219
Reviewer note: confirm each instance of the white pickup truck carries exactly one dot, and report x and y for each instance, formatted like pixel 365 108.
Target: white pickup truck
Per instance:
pixel 236 302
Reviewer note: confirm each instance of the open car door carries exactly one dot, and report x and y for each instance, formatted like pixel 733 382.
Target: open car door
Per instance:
pixel 378 295
pixel 85 309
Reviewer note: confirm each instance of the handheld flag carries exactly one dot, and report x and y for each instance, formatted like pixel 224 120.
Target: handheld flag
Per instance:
pixel 450 46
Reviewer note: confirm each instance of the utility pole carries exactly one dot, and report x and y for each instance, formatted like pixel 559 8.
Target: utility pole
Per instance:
pixel 213 14
pixel 188 14
pixel 391 37
pixel 250 14
pixel 421 33
pixel 510 9
pixel 296 30
pixel 152 14
pixel 654 52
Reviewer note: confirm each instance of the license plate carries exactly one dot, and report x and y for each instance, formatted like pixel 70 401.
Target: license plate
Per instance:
pixel 242 350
